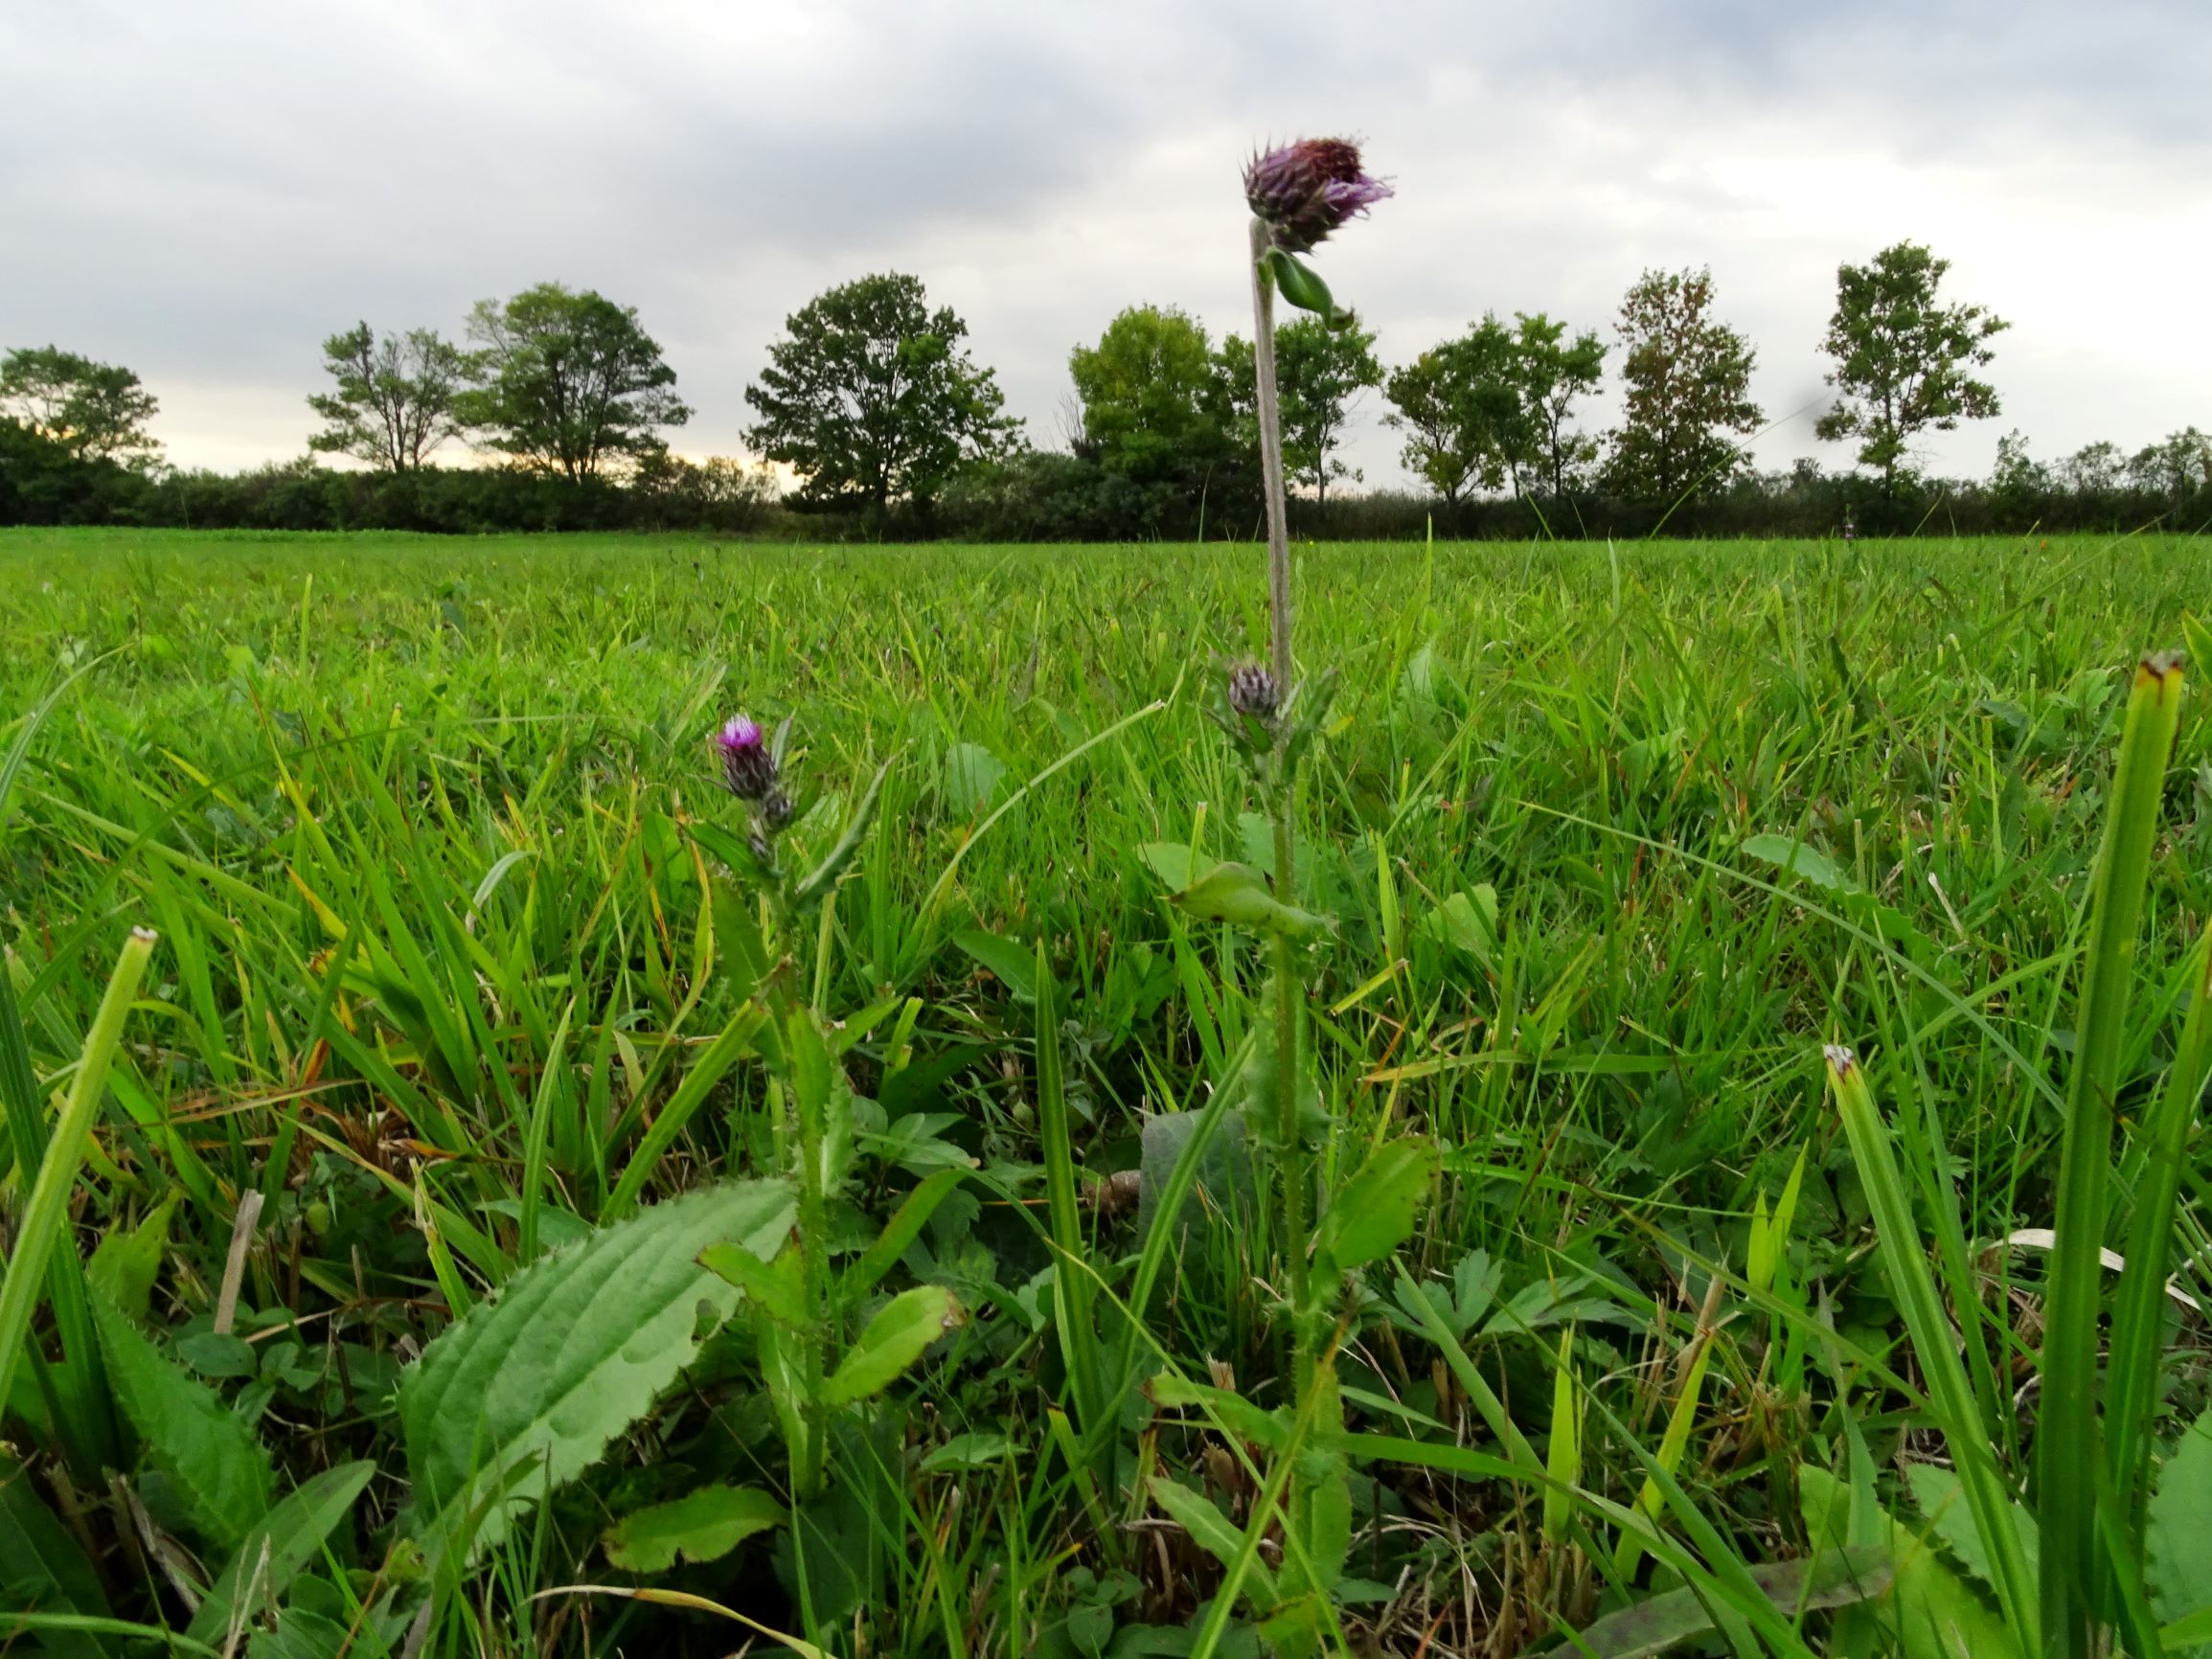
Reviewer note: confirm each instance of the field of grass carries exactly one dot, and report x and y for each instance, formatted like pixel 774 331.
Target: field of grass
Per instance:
pixel 1614 841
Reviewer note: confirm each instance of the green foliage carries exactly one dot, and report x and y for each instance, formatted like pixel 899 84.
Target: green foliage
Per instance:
pixel 1460 405
pixel 1903 359
pixel 526 1391
pixel 704 1525
pixel 900 1334
pixel 280 1546
pixel 391 403
pixel 97 411
pixel 1154 405
pixel 871 399
pixel 2177 1545
pixel 219 1467
pixel 567 383
pixel 1685 378
pixel 1322 371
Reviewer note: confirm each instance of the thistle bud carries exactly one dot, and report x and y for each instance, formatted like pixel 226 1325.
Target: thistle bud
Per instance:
pixel 1253 693
pixel 1304 191
pixel 776 808
pixel 748 769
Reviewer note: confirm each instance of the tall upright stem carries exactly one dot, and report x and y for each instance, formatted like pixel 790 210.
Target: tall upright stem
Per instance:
pixel 1271 461
pixel 1290 1133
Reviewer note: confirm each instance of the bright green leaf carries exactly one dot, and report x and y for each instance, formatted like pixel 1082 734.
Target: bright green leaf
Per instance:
pixel 1375 1211
pixel 894 1339
pixel 701 1526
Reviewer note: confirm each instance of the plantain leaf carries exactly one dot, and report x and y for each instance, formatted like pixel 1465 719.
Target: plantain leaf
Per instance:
pixel 701 1526
pixel 524 1392
pixel 2177 1541
pixel 293 1534
pixel 221 1471
pixel 1375 1211
pixel 1833 1579
pixel 894 1340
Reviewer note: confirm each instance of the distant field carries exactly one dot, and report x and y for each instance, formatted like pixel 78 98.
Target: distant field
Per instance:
pixel 398 806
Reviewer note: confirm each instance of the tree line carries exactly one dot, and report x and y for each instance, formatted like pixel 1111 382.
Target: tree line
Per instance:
pixel 874 409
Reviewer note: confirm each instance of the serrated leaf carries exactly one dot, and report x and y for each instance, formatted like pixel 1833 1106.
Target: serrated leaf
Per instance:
pixel 2178 1540
pixel 1941 1500
pixel 1212 1531
pixel 1793 858
pixel 293 1533
pixel 124 1264
pixel 41 1567
pixel 1237 894
pixel 774 1287
pixel 972 775
pixel 221 1471
pixel 701 1526
pixel 1247 1422
pixel 1375 1211
pixel 526 1391
pixel 894 1339
pixel 1015 965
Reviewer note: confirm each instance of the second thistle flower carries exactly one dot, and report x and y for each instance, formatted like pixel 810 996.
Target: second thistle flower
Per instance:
pixel 748 764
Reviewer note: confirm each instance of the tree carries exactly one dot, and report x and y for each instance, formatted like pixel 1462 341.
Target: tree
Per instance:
pixel 395 397
pixel 1902 359
pixel 567 382
pixel 2176 467
pixel 1555 371
pixel 1148 396
pixel 1320 374
pixel 871 399
pixel 98 411
pixel 1687 378
pixel 1460 404
pixel 2093 469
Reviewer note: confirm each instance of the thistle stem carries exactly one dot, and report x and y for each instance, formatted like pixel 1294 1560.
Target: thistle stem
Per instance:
pixel 1272 459
pixel 1297 1174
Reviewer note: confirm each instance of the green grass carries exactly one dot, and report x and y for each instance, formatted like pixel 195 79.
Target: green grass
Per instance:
pixel 438 980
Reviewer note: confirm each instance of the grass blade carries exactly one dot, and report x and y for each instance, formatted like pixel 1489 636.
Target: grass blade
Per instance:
pixel 2067 1455
pixel 1950 1395
pixel 46 1216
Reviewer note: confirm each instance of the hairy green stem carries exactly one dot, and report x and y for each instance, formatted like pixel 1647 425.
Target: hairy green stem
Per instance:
pixel 1271 460
pixel 1297 1177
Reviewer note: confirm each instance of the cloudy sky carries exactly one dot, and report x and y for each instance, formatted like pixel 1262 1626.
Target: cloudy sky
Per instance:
pixel 205 192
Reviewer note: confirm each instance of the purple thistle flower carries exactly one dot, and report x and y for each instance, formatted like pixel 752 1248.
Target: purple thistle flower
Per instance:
pixel 1304 191
pixel 748 769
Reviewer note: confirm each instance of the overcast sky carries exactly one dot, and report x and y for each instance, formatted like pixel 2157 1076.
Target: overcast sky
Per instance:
pixel 205 191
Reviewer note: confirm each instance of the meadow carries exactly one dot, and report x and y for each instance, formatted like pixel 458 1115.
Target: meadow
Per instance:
pixel 1614 840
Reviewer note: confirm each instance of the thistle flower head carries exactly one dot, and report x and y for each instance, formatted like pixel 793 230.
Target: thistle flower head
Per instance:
pixel 1304 191
pixel 1253 692
pixel 748 767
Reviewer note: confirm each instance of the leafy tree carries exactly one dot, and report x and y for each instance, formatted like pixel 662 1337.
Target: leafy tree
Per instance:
pixel 1150 396
pixel 567 382
pixel 1460 405
pixel 1902 359
pixel 1321 373
pixel 2176 467
pixel 394 401
pixel 98 411
pixel 2093 469
pixel 1554 372
pixel 1687 377
pixel 871 399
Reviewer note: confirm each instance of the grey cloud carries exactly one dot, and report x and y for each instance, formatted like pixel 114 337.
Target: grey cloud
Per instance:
pixel 206 192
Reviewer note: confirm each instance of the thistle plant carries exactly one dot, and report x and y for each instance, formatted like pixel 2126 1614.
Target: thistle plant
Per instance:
pixel 803 1309
pixel 1299 194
